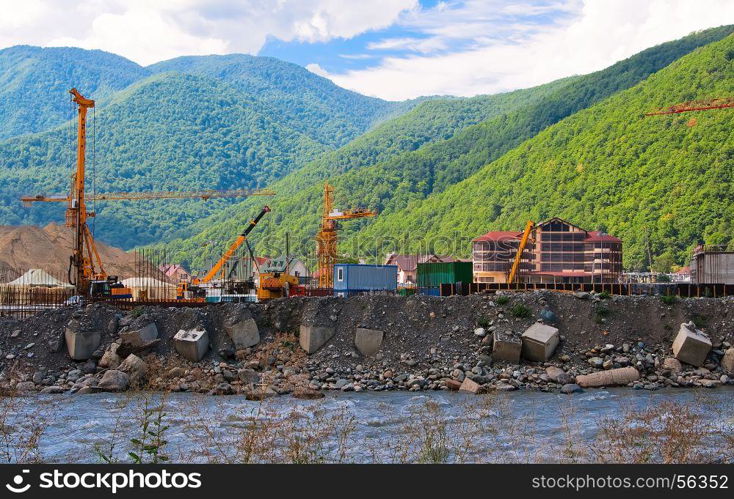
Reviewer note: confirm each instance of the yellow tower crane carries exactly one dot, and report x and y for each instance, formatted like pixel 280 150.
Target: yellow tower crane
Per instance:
pixel 326 239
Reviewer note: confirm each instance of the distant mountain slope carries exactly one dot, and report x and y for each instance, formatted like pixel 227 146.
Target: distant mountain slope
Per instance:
pixel 167 132
pixel 662 181
pixel 34 84
pixel 390 183
pixel 302 100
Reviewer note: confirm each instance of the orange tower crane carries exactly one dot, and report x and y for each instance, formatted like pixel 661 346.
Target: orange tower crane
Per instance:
pixel 326 239
pixel 85 258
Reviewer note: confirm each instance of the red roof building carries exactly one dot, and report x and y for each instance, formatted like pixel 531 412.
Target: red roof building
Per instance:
pixel 558 251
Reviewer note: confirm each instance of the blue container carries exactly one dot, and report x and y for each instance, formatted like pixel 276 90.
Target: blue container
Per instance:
pixel 429 291
pixel 350 278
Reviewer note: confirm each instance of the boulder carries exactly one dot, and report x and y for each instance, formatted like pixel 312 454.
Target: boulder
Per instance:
pixel 558 375
pixel 114 381
pixel 691 345
pixel 248 376
pixel 470 386
pixel 539 342
pixel 110 359
pixel 139 340
pixel 727 362
pixel 242 330
pixel 192 344
pixel 570 388
pixel 311 338
pixel 81 344
pixel 368 341
pixel 506 347
pixel 452 384
pixel 612 377
pixel 307 394
pixel 672 364
pixel 135 368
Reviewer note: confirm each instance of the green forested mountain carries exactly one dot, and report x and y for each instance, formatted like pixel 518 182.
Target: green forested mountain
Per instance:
pixel 665 181
pixel 35 83
pixel 303 101
pixel 298 201
pixel 395 184
pixel 167 132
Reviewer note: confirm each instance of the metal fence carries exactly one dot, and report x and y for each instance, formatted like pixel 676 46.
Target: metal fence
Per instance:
pixel 682 290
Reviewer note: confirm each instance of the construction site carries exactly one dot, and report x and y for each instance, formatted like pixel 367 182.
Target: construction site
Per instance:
pixel 88 317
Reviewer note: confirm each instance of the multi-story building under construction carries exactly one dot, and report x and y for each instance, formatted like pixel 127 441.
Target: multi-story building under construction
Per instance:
pixel 558 251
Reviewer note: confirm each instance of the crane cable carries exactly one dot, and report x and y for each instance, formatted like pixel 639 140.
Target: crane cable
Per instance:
pixel 94 170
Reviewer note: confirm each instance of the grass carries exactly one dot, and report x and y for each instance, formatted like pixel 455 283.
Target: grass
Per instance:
pixel 520 311
pixel 668 299
pixel 604 295
pixel 502 300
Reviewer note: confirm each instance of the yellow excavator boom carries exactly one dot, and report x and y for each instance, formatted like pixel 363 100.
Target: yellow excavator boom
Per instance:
pixel 520 249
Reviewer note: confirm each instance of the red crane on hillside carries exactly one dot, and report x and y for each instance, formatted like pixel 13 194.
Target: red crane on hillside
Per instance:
pixel 697 105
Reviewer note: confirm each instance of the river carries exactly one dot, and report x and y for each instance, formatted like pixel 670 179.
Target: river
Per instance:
pixel 359 427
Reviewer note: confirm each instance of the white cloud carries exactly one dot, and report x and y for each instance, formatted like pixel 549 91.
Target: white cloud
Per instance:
pixel 592 35
pixel 148 31
pixel 317 70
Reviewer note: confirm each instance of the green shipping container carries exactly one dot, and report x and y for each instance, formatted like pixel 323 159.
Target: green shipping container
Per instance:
pixel 431 275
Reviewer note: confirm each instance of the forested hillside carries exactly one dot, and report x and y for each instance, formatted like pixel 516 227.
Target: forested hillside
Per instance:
pixel 35 83
pixel 395 184
pixel 303 101
pixel 665 181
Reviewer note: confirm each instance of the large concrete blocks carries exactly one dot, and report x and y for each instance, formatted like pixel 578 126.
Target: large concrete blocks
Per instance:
pixel 539 342
pixel 311 338
pixel 243 332
pixel 192 344
pixel 506 347
pixel 691 345
pixel 368 341
pixel 613 377
pixel 81 344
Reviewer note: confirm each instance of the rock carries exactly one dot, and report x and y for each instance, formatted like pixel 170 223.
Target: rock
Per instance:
pixel 81 344
pixel 581 295
pixel 672 364
pixel 596 362
pixel 506 347
pixel 558 375
pixel 504 387
pixel 570 388
pixel 248 376
pixel 135 368
pixel 192 344
pixel 691 345
pixel 613 377
pixel 53 389
pixel 480 331
pixel 539 341
pixel 25 386
pixel 548 316
pixel 113 381
pixel 470 386
pixel 89 367
pixel 260 393
pixel 307 394
pixel 727 361
pixel 176 372
pixel 452 384
pixel 243 330
pixel 368 341
pixel 223 389
pixel 110 359
pixel 311 338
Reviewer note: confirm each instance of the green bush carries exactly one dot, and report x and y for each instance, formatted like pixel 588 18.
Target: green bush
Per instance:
pixel 668 299
pixel 520 311
pixel 502 300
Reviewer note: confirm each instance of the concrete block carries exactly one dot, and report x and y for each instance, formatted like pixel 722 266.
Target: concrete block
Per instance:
pixel 243 333
pixel 691 345
pixel 368 341
pixel 81 344
pixel 539 342
pixel 469 386
pixel 140 336
pixel 311 338
pixel 727 362
pixel 506 347
pixel 613 377
pixel 192 344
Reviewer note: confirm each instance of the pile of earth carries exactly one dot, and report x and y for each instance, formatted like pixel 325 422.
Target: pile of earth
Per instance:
pixel 429 343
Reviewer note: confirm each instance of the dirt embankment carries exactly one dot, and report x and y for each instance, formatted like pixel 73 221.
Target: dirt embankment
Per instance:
pixel 427 343
pixel 48 248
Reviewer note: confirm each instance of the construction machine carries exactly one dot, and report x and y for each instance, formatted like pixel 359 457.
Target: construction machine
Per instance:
pixel 514 270
pixel 275 280
pixel 192 290
pixel 326 239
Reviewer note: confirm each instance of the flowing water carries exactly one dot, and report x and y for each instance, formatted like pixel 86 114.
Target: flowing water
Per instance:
pixel 364 427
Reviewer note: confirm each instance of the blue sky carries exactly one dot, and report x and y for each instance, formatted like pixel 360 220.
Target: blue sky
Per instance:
pixel 393 49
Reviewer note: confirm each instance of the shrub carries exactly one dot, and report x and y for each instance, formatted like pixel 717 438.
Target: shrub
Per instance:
pixel 520 311
pixel 668 299
pixel 502 300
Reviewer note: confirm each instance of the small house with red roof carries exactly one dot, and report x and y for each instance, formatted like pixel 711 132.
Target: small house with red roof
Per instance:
pixel 558 251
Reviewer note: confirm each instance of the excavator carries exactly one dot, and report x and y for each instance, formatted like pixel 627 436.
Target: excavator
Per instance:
pixel 192 290
pixel 512 276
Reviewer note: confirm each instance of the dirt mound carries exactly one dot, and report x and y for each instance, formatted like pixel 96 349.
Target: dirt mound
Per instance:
pixel 48 248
